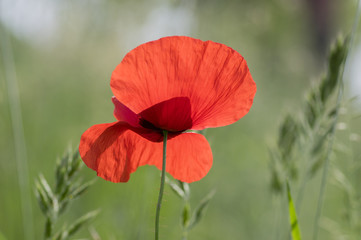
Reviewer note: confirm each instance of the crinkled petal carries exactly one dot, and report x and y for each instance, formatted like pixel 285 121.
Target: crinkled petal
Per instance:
pixel 115 150
pixel 172 115
pixel 189 157
pixel 124 114
pixel 214 78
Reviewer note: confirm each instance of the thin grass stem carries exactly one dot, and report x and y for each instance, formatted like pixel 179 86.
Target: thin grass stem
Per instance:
pixel 160 197
pixel 18 132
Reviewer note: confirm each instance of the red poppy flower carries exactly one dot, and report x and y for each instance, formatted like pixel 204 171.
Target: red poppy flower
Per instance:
pixel 174 84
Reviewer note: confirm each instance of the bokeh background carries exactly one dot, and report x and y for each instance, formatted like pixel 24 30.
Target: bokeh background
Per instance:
pixel 63 54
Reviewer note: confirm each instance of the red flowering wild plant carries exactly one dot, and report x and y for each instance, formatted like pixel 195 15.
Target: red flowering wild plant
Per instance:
pixel 172 84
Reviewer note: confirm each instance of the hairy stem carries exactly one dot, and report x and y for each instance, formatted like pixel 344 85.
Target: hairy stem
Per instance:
pixel 160 197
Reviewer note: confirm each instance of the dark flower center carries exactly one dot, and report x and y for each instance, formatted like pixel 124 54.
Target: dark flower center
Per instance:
pixel 173 115
pixel 146 124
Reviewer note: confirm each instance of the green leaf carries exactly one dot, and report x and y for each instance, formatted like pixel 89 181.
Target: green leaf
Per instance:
pixel 295 231
pixel 45 186
pixel 54 204
pixel 186 189
pixel 76 192
pixel 186 215
pixel 43 200
pixel 67 232
pixel 176 189
pixel 200 210
pixel 81 221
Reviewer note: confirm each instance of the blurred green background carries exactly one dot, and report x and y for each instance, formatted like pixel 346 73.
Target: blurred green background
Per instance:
pixel 64 53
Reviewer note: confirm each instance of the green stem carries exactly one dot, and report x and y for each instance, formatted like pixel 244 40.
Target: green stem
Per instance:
pixel 160 197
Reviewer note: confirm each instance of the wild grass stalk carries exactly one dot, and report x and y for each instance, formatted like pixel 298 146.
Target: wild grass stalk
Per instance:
pixel 54 201
pixel 310 137
pixel 348 48
pixel 329 151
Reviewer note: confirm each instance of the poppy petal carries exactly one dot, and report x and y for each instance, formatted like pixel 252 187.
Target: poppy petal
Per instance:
pixel 124 114
pixel 189 157
pixel 115 150
pixel 214 77
pixel 171 115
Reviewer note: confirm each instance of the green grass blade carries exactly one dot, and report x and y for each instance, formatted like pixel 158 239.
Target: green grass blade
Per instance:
pixel 175 188
pixel 295 230
pixel 81 222
pixel 200 210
